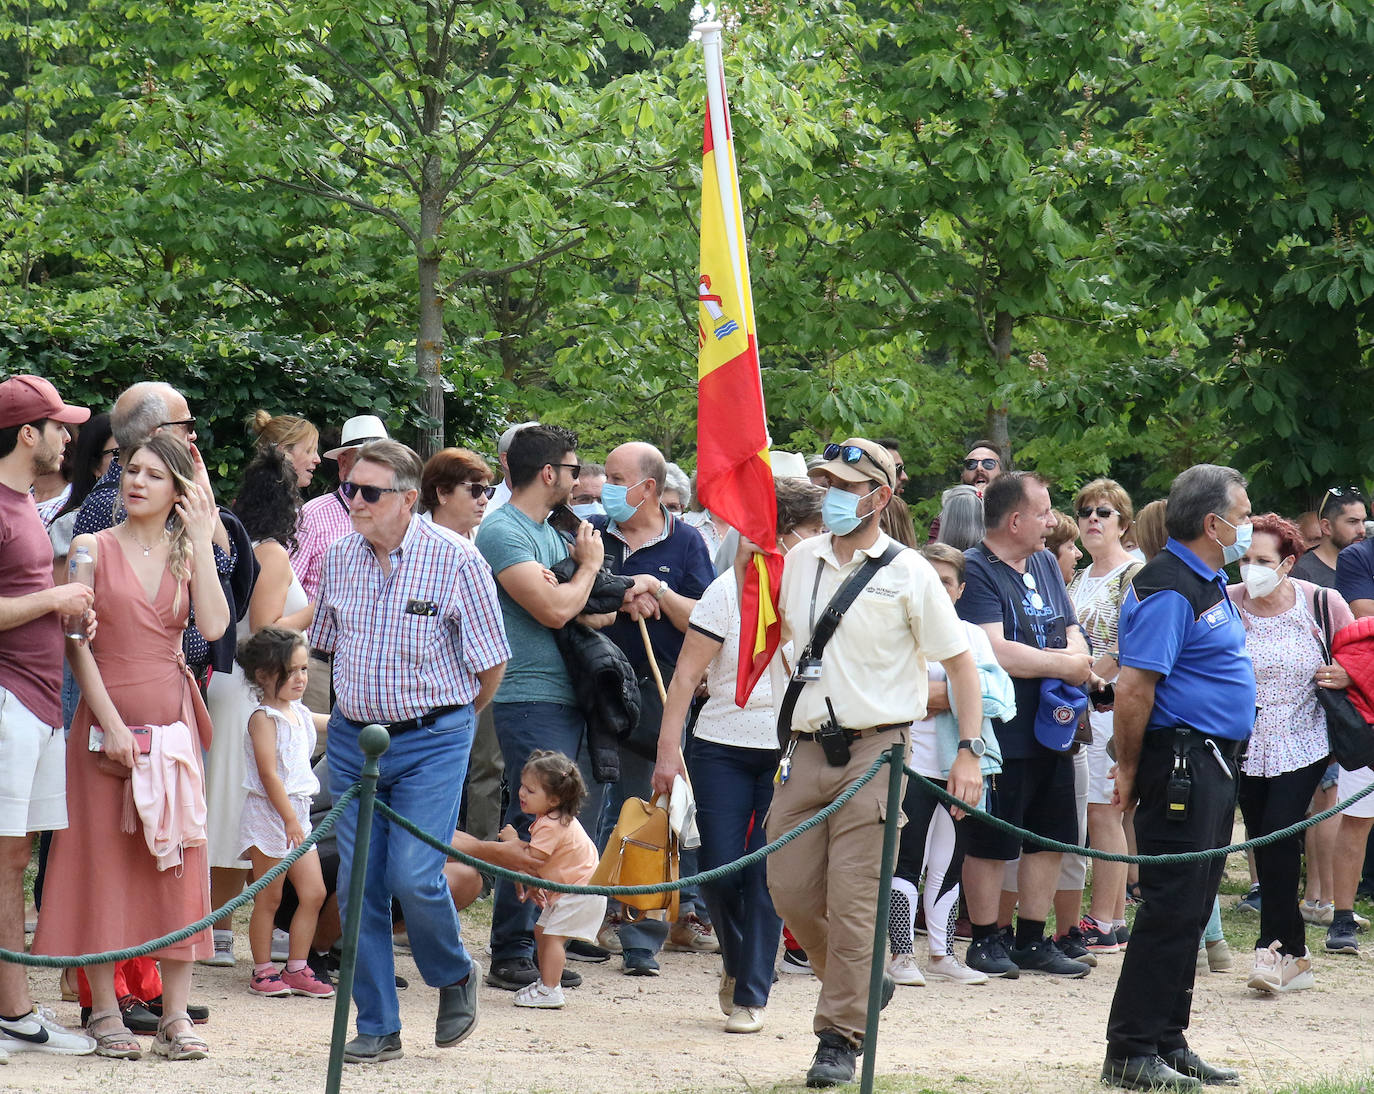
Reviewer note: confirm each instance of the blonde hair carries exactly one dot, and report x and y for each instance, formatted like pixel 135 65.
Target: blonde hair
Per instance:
pixel 177 459
pixel 1115 495
pixel 1150 533
pixel 281 431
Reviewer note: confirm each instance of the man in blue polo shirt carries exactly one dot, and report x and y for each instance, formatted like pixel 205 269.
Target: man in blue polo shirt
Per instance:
pixel 1185 705
pixel 642 538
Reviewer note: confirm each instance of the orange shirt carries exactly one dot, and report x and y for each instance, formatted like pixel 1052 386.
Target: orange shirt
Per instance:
pixel 572 854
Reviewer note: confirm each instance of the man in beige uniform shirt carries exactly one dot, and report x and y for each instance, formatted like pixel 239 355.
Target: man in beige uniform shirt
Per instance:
pixel 824 884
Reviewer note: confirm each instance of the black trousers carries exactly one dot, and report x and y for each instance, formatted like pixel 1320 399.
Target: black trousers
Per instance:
pixel 1154 994
pixel 1269 804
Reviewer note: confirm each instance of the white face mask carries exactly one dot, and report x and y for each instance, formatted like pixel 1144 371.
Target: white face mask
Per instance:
pixel 1260 581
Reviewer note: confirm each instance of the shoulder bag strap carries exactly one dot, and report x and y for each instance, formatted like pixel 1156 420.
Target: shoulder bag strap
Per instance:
pixel 1322 598
pixel 844 596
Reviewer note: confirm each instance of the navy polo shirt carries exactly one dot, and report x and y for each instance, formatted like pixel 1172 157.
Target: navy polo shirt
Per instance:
pixel 1177 620
pixel 678 557
pixel 1355 571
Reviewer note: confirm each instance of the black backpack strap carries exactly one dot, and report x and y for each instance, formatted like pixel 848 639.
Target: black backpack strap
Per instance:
pixel 1324 622
pixel 844 596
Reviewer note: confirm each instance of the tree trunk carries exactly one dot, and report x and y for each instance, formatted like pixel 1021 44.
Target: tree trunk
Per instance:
pixel 429 346
pixel 998 431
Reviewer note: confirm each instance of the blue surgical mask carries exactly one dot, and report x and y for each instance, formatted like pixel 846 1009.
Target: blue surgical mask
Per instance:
pixel 613 498
pixel 1232 552
pixel 840 510
pixel 589 509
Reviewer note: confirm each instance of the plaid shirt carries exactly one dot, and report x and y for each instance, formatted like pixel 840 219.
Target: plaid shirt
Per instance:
pixel 412 641
pixel 323 521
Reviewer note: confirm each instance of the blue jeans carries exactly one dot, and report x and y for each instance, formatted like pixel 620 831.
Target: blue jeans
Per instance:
pixel 421 778
pixel 521 728
pixel 734 788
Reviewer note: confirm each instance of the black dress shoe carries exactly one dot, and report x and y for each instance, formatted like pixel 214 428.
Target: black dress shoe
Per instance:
pixel 137 1017
pixel 1145 1073
pixel 1187 1062
pixel 197 1012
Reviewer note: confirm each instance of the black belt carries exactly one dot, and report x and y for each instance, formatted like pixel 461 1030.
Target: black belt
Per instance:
pixel 422 722
pixel 1188 739
pixel 852 735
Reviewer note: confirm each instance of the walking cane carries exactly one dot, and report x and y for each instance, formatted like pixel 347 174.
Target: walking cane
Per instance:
pixel 663 696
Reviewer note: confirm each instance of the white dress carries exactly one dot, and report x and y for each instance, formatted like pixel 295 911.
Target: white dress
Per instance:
pixel 261 825
pixel 231 704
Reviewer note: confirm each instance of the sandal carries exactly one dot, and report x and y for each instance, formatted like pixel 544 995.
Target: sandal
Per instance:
pixel 186 1045
pixel 66 986
pixel 112 1038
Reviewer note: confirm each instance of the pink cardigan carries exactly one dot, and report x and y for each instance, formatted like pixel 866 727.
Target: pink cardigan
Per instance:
pixel 169 794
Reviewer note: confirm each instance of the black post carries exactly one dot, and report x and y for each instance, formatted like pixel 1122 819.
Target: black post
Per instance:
pixel 896 760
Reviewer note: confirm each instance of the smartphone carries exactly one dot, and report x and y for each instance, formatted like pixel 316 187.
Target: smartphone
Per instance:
pixel 564 520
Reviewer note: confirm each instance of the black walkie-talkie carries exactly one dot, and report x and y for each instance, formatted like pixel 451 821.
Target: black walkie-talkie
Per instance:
pixel 834 742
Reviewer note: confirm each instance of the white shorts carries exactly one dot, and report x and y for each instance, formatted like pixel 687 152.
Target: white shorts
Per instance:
pixel 1352 782
pixel 33 771
pixel 1099 763
pixel 574 915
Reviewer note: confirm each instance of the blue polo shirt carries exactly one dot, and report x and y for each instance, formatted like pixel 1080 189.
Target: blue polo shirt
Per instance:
pixel 1355 571
pixel 1177 620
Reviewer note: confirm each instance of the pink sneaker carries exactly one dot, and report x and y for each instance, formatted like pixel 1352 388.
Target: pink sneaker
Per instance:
pixel 306 982
pixel 269 984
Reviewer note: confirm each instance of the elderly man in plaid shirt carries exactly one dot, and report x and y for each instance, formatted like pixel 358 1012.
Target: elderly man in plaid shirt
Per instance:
pixel 412 620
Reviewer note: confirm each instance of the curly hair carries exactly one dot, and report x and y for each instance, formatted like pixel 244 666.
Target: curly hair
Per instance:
pixel 268 501
pixel 560 780
pixel 1283 530
pixel 268 653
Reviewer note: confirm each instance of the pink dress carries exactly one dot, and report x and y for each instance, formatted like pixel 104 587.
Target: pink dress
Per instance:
pixel 103 890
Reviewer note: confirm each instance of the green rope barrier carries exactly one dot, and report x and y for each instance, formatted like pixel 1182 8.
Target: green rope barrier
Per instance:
pixel 638 890
pixel 1108 856
pixel 46 961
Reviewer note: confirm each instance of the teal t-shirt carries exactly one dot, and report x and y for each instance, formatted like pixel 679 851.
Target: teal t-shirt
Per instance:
pixel 535 672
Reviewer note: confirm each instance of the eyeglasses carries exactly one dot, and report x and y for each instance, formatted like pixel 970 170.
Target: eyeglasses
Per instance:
pixel 1104 512
pixel 851 453
pixel 477 490
pixel 371 494
pixel 1028 580
pixel 575 468
pixel 187 424
pixel 987 463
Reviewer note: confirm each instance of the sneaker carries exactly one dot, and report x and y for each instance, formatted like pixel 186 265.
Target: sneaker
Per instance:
pixel 1317 913
pixel 989 956
pixel 1361 923
pixel 639 962
pixel 1250 902
pixel 1095 939
pixel 1340 937
pixel 1219 957
pixel 540 996
pixel 725 994
pixel 38 1031
pixel 223 957
pixel 690 935
pixel 795 962
pixel 1295 973
pixel 1266 976
pixel 281 944
pixel 1044 956
pixel 305 982
pixel 744 1020
pixel 608 938
pixel 833 1063
pixel 269 984
pixel 512 974
pixel 950 968
pixel 1123 936
pixel 577 950
pixel 1070 944
pixel 905 970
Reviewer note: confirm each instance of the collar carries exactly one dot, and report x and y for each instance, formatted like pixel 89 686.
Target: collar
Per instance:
pixel 1194 563
pixel 827 551
pixel 399 552
pixel 669 521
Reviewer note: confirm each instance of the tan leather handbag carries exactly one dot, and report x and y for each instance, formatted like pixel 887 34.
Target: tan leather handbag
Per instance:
pixel 642 850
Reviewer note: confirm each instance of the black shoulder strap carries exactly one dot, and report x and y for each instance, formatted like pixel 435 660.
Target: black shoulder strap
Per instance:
pixel 1324 622
pixel 844 596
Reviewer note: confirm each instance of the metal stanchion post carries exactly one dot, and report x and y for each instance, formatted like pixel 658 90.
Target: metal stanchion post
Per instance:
pixel 373 740
pixel 895 762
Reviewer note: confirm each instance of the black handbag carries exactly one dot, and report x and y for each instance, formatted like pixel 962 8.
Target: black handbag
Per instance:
pixel 1351 737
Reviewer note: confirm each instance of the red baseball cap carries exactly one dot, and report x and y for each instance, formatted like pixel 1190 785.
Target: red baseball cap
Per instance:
pixel 26 399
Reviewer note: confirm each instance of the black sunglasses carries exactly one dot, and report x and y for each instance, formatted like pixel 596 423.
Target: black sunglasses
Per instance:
pixel 371 494
pixel 851 453
pixel 575 468
pixel 111 452
pixel 987 463
pixel 186 423
pixel 1103 512
pixel 477 490
pixel 1350 493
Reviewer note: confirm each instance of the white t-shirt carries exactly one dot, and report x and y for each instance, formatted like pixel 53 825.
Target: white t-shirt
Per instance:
pixel 721 721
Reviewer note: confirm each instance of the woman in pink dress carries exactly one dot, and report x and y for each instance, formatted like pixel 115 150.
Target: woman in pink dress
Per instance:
pixel 104 890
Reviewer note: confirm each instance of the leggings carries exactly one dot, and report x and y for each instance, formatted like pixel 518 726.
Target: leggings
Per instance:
pixel 930 833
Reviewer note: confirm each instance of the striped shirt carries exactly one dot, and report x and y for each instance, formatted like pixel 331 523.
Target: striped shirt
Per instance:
pixel 407 643
pixel 323 521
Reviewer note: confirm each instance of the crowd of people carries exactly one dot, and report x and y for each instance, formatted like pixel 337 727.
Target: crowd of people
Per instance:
pixel 179 664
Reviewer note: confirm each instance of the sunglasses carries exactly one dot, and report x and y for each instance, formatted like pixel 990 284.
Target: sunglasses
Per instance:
pixel 1036 602
pixel 1353 493
pixel 477 490
pixel 185 423
pixel 371 494
pixel 851 453
pixel 1104 512
pixel 111 452
pixel 575 468
pixel 987 463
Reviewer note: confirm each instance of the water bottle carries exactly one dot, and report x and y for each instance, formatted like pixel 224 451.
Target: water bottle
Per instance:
pixel 80 568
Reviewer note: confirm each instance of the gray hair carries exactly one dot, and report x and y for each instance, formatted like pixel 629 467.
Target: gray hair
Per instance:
pixel 404 463
pixel 1204 488
pixel 675 479
pixel 961 518
pixel 139 417
pixel 503 445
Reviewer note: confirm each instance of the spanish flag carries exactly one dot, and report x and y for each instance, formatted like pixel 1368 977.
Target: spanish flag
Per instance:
pixel 734 477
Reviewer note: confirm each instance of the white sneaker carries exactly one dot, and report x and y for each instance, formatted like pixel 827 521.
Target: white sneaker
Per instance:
pixel 725 994
pixel 1266 976
pixel 744 1020
pixel 608 938
pixel 1316 913
pixel 281 945
pixel 905 970
pixel 38 1031
pixel 955 971
pixel 1295 973
pixel 223 957
pixel 1361 923
pixel 539 995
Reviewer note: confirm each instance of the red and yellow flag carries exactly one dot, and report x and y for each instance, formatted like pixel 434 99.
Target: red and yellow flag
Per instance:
pixel 734 477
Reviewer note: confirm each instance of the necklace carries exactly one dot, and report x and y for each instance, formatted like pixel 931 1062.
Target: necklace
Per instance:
pixel 147 548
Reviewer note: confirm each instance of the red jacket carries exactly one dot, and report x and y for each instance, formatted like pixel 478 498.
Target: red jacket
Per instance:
pixel 1353 647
